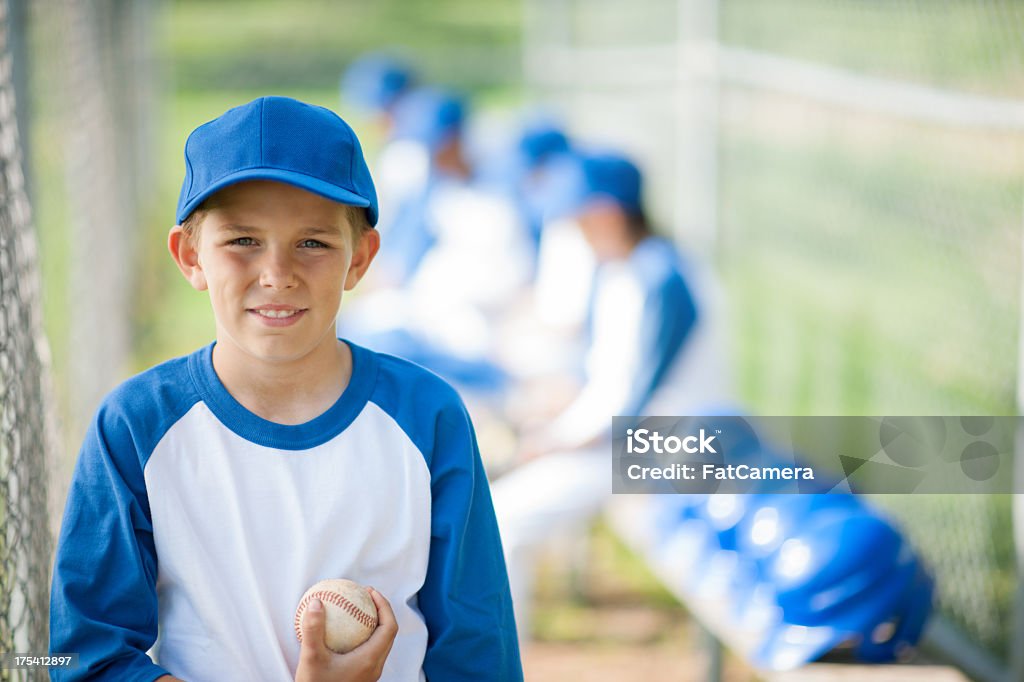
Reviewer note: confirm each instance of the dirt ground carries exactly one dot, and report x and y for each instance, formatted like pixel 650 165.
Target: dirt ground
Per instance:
pixel 622 662
pixel 599 616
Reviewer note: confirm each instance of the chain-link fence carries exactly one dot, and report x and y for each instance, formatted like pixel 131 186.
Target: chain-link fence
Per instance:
pixel 75 67
pixel 855 169
pixel 870 233
pixel 25 436
pixel 103 110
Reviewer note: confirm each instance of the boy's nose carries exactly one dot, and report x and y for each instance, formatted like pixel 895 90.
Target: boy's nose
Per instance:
pixel 278 271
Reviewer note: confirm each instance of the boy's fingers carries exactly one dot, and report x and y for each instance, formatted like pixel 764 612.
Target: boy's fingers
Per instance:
pixel 314 622
pixel 385 614
pixel 387 624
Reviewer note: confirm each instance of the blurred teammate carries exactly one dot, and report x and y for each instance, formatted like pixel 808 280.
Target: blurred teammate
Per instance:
pixel 453 258
pixel 650 352
pixel 431 120
pixel 519 168
pixel 376 83
pixel 544 333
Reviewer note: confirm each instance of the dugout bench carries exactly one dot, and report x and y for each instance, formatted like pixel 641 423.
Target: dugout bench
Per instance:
pixel 628 517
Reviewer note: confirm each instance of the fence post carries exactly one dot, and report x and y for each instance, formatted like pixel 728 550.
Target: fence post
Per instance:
pixel 696 95
pixel 1017 630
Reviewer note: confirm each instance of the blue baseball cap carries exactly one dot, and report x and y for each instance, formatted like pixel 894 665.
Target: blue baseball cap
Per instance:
pixel 375 81
pixel 429 116
pixel 536 145
pixel 282 139
pixel 540 141
pixel 582 179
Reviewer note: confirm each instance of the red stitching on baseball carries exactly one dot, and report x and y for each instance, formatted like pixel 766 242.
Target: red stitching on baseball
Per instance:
pixel 364 618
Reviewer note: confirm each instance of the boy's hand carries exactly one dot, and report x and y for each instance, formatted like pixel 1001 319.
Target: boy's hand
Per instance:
pixel 365 663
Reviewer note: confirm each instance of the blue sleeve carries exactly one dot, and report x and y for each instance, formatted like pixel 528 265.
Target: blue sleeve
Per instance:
pixel 103 602
pixel 465 599
pixel 668 317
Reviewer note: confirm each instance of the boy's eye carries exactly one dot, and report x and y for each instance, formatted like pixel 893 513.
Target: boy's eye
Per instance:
pixel 243 241
pixel 313 244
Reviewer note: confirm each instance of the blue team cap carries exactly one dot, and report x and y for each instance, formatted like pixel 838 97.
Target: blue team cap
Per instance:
pixel 541 141
pixel 375 81
pixel 429 116
pixel 582 179
pixel 282 139
pixel 537 144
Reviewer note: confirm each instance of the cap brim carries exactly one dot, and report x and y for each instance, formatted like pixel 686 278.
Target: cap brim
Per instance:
pixel 300 180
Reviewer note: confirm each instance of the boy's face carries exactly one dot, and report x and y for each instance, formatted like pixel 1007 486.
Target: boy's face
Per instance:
pixel 275 260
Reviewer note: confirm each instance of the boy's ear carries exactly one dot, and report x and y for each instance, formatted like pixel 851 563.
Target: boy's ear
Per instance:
pixel 366 247
pixel 186 257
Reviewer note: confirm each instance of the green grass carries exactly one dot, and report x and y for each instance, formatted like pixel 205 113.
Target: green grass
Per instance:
pixel 237 43
pixel 874 282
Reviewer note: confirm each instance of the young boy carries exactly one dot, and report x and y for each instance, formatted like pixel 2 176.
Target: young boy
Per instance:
pixel 214 489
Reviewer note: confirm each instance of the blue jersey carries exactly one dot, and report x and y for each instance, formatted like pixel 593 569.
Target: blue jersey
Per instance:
pixel 193 527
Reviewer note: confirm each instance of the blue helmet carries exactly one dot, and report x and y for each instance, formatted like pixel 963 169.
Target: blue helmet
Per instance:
pixel 670 511
pixel 715 559
pixel 723 513
pixel 681 539
pixel 771 521
pixel 845 580
pixel 781 516
pixel 762 532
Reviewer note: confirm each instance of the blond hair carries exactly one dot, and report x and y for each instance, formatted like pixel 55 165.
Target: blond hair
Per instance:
pixel 355 216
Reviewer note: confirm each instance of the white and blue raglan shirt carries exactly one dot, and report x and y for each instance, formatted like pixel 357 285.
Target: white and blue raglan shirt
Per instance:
pixel 192 528
pixel 654 346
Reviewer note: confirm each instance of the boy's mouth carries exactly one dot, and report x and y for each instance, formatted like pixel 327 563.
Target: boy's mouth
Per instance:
pixel 277 313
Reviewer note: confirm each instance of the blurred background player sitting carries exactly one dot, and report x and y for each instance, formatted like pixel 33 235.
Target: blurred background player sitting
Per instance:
pixel 651 350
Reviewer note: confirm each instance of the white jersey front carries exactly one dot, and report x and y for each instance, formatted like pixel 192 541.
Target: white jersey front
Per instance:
pixel 193 527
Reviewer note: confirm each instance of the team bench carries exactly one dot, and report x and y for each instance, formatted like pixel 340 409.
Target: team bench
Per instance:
pixel 630 519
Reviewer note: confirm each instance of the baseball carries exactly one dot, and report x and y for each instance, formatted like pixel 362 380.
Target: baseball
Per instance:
pixel 351 613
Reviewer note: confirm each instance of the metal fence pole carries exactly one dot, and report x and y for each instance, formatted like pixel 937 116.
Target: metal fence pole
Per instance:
pixel 696 202
pixel 1017 630
pixel 715 653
